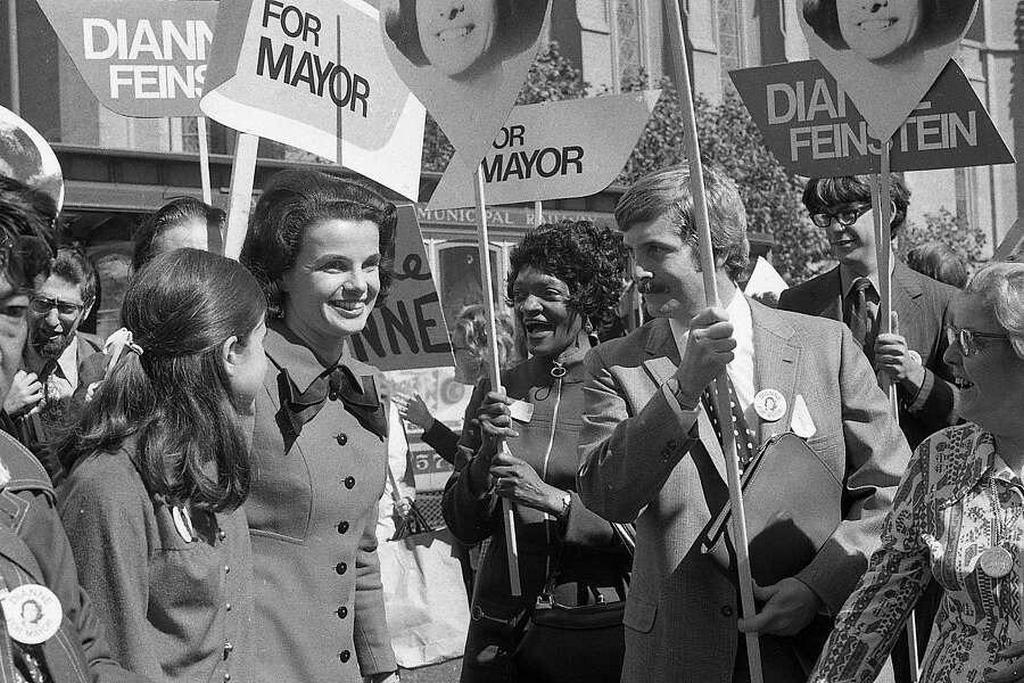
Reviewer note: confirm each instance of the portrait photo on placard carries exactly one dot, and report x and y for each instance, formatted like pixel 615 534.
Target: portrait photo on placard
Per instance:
pixel 885 53
pixel 27 157
pixel 465 60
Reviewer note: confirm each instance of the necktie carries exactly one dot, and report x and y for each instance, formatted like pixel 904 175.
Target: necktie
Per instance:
pixel 741 434
pixel 858 315
pixel 338 383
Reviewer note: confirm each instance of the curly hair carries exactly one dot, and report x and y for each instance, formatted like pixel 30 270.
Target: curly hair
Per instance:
pixel 293 201
pixel 590 260
pixel 471 323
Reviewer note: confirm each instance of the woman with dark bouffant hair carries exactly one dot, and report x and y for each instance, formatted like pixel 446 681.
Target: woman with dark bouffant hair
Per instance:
pixel 322 249
pixel 887 32
pixel 158 469
pixel 462 39
pixel 562 280
pixel 181 222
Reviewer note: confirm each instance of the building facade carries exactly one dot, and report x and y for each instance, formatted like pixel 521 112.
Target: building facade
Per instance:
pixel 117 169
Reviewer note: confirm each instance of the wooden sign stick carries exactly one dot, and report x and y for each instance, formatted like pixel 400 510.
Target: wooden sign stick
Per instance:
pixel 243 175
pixel 204 158
pixel 487 280
pixel 707 261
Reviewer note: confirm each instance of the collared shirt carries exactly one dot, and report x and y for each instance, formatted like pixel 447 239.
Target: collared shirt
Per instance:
pixel 63 381
pixel 741 369
pixel 957 500
pixel 873 296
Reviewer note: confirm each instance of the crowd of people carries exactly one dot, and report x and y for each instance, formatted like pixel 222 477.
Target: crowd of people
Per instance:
pixel 196 497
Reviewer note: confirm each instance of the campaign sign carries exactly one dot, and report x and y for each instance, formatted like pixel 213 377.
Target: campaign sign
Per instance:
pixel 466 61
pixel 28 158
pixel 551 151
pixel 144 58
pixel 885 54
pixel 408 330
pixel 815 130
pixel 297 71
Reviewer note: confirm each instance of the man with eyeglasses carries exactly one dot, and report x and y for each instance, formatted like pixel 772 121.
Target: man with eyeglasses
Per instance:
pixel 58 360
pixel 910 356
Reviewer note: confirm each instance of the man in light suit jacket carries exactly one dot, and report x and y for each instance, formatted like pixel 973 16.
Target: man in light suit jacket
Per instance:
pixel 649 452
pixel 911 356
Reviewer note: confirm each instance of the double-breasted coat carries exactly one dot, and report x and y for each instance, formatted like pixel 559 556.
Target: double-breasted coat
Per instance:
pixel 312 514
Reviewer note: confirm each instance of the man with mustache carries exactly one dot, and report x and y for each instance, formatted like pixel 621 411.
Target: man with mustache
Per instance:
pixel 911 355
pixel 58 360
pixel 650 453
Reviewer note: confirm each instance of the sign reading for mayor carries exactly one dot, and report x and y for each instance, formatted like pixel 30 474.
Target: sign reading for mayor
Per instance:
pixel 290 70
pixel 408 330
pixel 144 58
pixel 814 129
pixel 551 151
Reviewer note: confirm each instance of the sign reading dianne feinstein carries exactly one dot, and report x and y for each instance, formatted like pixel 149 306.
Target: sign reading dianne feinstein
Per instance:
pixel 303 72
pixel 552 150
pixel 408 330
pixel 815 130
pixel 143 58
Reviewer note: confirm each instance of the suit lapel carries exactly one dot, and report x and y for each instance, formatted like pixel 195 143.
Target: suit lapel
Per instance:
pixel 661 364
pixel 906 294
pixel 776 362
pixel 827 300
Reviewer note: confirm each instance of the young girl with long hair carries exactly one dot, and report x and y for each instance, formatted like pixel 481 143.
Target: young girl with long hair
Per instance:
pixel 158 469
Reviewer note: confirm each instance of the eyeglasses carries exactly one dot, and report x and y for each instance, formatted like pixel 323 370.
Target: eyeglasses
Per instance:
pixel 968 339
pixel 42 304
pixel 846 218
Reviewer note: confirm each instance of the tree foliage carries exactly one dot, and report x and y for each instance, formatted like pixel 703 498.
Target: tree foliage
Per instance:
pixel 966 241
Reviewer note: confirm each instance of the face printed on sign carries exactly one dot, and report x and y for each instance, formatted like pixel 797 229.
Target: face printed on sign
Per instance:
pixel 878 29
pixel 456 34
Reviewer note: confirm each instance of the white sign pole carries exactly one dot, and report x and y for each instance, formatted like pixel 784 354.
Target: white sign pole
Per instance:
pixel 707 261
pixel 487 280
pixel 204 158
pixel 882 205
pixel 243 174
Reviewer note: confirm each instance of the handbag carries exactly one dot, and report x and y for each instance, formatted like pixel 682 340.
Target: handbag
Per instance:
pixel 568 644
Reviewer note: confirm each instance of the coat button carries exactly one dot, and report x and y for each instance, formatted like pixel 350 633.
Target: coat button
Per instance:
pixel 341 438
pixel 227 569
pixel 342 527
pixel 334 396
pixel 350 482
pixel 342 612
pixel 341 567
pixel 227 677
pixel 228 647
pixel 222 534
pixel 344 656
pixel 227 607
pixel 726 610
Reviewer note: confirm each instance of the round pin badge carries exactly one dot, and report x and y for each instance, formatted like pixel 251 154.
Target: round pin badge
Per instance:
pixel 770 405
pixel 183 523
pixel 32 612
pixel 996 562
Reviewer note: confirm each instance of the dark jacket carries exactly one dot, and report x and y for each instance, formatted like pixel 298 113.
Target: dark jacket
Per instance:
pixel 922 305
pixel 174 610
pixel 584 547
pixel 34 549
pixel 312 516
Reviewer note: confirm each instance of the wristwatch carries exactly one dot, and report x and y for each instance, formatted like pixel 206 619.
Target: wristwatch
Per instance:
pixel 566 504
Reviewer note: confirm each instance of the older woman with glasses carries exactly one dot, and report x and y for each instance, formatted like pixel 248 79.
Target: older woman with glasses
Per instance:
pixel 958 515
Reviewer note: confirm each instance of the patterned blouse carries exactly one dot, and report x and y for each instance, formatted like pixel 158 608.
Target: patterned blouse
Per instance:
pixel 957 500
